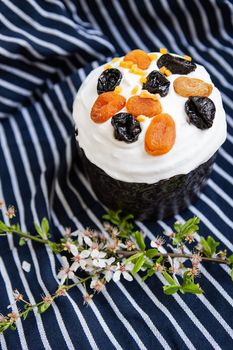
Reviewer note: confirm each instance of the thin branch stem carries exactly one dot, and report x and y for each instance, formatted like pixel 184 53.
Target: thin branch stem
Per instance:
pixel 13 230
pixel 175 255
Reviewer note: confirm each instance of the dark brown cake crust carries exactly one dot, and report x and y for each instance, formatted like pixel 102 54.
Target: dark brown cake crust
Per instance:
pixel 148 201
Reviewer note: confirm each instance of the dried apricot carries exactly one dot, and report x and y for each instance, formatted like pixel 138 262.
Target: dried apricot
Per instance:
pixel 106 105
pixel 139 57
pixel 186 87
pixel 149 107
pixel 160 135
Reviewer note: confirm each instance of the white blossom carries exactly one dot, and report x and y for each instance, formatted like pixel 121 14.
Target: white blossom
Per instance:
pixel 97 284
pixel 109 269
pixel 79 259
pixel 157 243
pixel 123 269
pixel 66 271
pixel 98 258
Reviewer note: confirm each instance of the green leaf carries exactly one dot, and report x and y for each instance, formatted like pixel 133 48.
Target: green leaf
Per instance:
pixel 138 264
pixel 185 229
pixel 230 259
pixel 168 290
pixel 232 274
pixel 209 246
pixel 45 226
pixel 169 279
pixel 150 253
pixel 3 227
pixel 38 229
pixel 191 288
pixel 150 273
pixel 42 308
pixel 22 241
pixel 147 265
pixel 133 257
pixel 139 240
pixel 25 315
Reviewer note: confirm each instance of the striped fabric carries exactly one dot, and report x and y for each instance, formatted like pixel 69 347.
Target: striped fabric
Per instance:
pixel 46 50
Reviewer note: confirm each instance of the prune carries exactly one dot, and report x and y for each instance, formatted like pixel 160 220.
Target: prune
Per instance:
pixel 176 65
pixel 108 80
pixel 200 111
pixel 126 127
pixel 157 83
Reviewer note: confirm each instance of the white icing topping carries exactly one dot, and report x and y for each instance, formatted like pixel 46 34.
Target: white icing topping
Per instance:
pixel 130 162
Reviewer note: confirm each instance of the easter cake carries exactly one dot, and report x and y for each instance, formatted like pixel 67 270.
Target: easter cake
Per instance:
pixel 148 129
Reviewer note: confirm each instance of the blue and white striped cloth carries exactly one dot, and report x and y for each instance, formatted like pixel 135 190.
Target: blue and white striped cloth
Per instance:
pixel 46 50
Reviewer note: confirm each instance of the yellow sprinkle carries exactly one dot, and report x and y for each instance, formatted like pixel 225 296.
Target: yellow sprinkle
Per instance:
pixel 135 90
pixel 168 72
pixel 107 66
pixel 188 58
pixel 152 56
pixel 163 50
pixel 162 70
pixel 146 94
pixel 141 118
pixel 118 89
pixel 143 80
pixel 126 64
pixel 134 69
pixel 115 59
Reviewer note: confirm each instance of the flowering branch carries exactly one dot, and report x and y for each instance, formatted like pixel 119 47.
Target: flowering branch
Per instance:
pixel 175 255
pixel 119 251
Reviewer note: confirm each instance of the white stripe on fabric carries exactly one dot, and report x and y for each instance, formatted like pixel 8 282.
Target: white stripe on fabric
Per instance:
pixel 8 102
pixel 223 173
pixel 148 321
pixel 112 26
pixel 102 322
pixel 217 210
pixel 213 229
pixel 193 32
pixel 21 74
pixel 9 291
pixel 33 38
pixel 89 15
pixel 12 87
pixel 23 43
pixel 3 342
pixel 146 29
pixel 15 56
pixel 127 25
pixel 52 15
pixel 54 32
pixel 220 22
pixel 220 192
pixel 73 25
pixel 208 32
pixel 124 321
